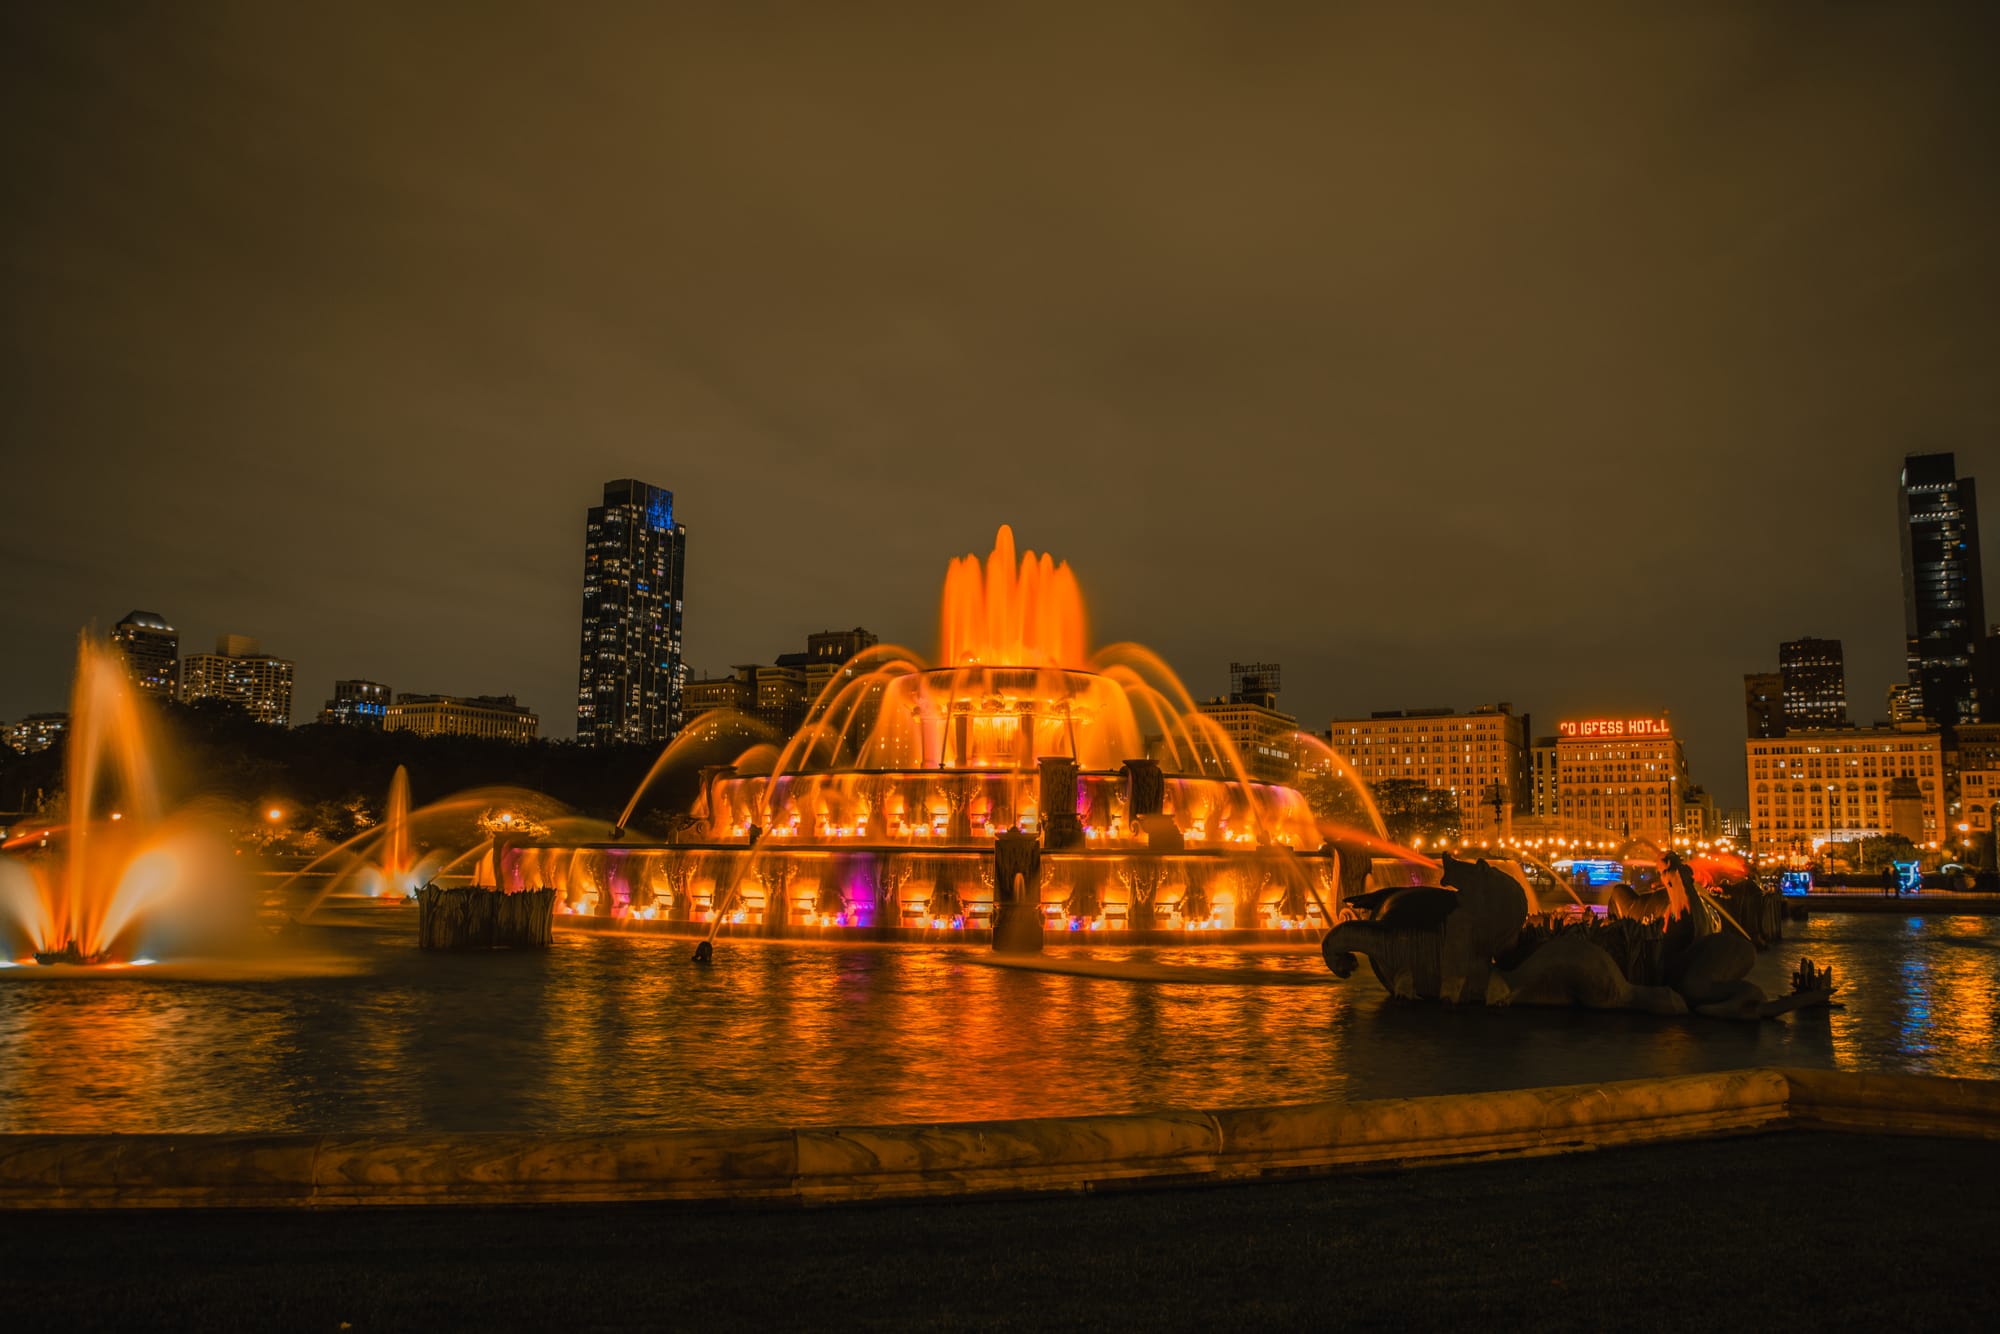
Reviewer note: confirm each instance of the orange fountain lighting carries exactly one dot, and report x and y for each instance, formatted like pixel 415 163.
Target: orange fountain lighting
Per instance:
pixel 1012 613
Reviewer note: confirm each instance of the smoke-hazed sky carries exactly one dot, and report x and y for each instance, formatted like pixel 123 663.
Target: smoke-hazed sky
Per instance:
pixel 1562 354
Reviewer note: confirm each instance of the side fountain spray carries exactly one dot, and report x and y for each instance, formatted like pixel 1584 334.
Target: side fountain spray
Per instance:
pixel 122 869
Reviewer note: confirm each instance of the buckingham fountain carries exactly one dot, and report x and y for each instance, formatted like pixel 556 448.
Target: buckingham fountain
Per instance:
pixel 1022 782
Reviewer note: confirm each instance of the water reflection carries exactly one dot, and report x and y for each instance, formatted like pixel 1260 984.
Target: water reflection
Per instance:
pixel 620 1031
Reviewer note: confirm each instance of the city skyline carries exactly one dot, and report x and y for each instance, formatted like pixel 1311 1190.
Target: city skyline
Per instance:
pixel 1722 780
pixel 1593 435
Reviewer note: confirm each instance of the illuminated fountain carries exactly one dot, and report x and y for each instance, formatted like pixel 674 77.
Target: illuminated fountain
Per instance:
pixel 883 813
pixel 121 878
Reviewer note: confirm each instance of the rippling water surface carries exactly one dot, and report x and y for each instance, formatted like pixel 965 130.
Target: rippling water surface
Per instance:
pixel 616 1031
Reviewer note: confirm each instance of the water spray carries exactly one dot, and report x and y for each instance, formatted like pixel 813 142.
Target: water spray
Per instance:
pixel 705 951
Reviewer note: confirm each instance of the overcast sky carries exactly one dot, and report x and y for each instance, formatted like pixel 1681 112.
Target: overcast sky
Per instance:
pixel 1558 354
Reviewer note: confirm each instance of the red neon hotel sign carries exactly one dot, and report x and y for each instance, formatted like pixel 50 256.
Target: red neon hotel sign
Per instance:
pixel 1615 727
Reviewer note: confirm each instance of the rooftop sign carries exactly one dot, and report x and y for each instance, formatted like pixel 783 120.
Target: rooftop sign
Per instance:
pixel 1614 727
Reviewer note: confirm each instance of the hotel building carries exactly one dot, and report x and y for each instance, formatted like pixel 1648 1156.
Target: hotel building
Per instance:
pixel 1474 756
pixel 1813 788
pixel 487 717
pixel 1266 738
pixel 1620 778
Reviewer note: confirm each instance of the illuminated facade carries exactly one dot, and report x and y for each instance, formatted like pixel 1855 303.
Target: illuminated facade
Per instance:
pixel 1944 603
pixel 630 677
pixel 1978 791
pixel 1812 788
pixel 488 717
pixel 152 652
pixel 1267 739
pixel 780 694
pixel 1699 820
pixel 1474 756
pixel 827 655
pixel 780 698
pixel 37 731
pixel 240 672
pixel 357 704
pixel 1621 777
pixel 1544 785
pixel 710 693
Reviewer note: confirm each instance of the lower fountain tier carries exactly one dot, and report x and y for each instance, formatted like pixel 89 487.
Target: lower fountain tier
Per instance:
pixel 889 887
pixel 965 808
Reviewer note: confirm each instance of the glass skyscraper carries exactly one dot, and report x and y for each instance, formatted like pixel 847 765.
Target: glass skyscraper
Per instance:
pixel 1813 679
pixel 631 676
pixel 1944 603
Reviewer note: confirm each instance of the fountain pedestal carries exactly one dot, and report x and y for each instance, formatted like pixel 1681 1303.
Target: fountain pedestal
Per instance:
pixel 1145 790
pixel 474 918
pixel 1017 894
pixel 1062 827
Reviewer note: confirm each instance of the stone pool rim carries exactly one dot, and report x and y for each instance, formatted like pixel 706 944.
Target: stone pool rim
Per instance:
pixel 835 1165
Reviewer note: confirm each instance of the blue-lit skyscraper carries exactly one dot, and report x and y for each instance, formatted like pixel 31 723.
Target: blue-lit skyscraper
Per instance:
pixel 629 684
pixel 1944 602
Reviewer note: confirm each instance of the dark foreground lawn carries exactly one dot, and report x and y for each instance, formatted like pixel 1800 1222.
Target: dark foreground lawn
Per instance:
pixel 1812 1232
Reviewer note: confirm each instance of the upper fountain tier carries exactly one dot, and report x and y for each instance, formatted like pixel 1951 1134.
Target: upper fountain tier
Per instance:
pixel 1015 682
pixel 1008 615
pixel 896 749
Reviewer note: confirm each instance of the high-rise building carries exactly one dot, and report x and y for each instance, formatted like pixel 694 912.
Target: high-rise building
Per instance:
pixel 1476 757
pixel 1902 709
pixel 1814 682
pixel 1944 601
pixel 38 731
pixel 357 704
pixel 1267 739
pixel 152 651
pixel 1544 786
pixel 240 672
pixel 488 717
pixel 1764 704
pixel 631 676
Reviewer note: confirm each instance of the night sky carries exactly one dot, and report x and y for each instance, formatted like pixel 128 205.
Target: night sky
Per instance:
pixel 1557 354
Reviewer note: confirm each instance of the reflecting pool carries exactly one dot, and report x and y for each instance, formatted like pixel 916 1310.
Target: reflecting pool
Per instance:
pixel 610 1031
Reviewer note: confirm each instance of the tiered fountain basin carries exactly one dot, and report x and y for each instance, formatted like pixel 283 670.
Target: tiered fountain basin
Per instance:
pixel 890 892
pixel 880 817
pixel 1191 867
